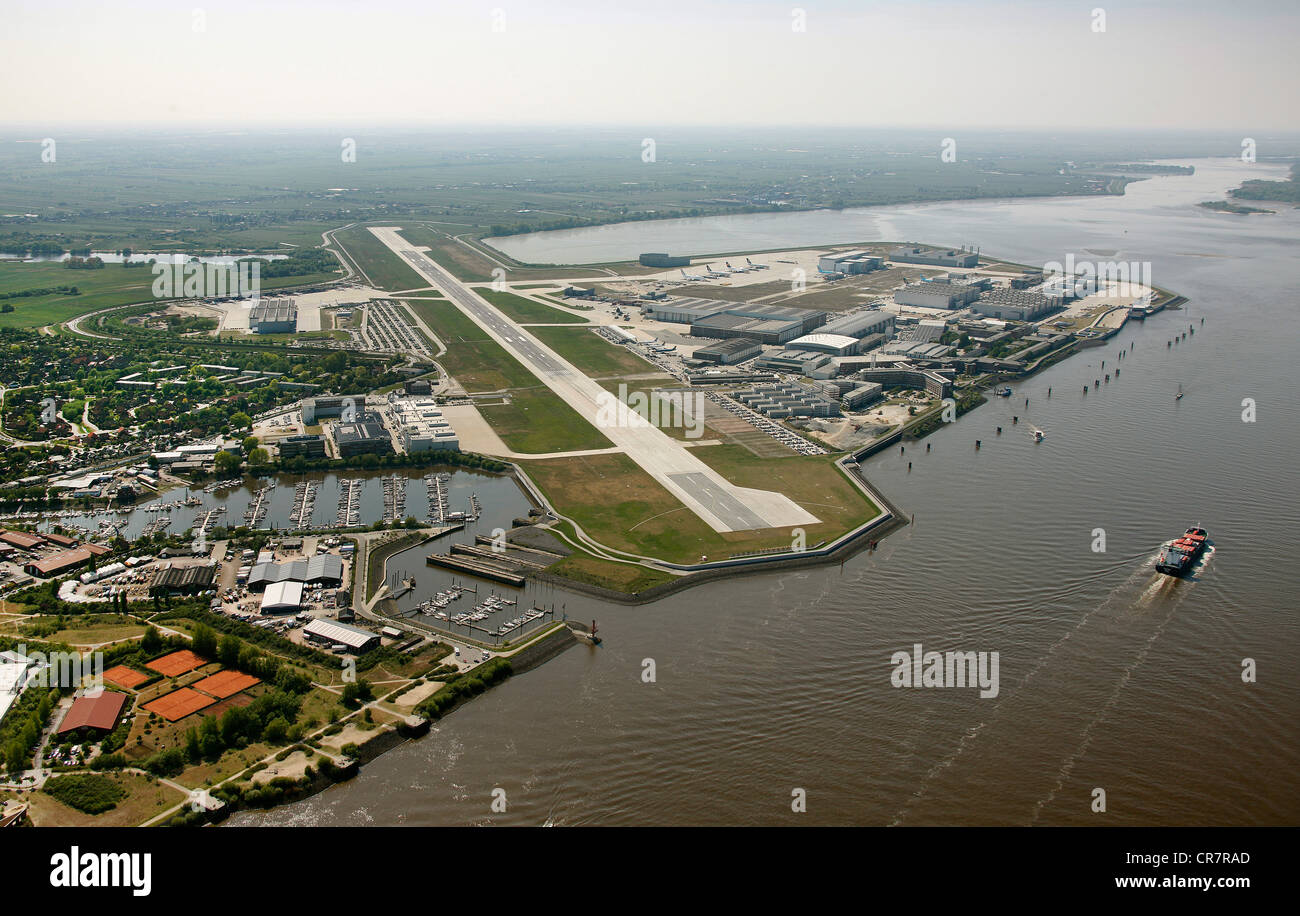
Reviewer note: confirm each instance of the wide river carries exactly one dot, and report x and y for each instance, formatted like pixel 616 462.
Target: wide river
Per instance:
pixel 1110 675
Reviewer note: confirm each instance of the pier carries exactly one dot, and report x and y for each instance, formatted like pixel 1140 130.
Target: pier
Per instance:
pixel 476 567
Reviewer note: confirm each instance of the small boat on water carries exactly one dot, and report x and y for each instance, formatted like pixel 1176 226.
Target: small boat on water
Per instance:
pixel 1177 557
pixel 1179 396
pixel 1004 392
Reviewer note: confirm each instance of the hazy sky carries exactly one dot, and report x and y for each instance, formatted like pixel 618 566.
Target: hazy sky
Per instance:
pixel 1187 64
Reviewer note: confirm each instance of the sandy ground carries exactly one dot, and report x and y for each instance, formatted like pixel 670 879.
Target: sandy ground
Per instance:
pixel 416 694
pixel 351 734
pixel 292 767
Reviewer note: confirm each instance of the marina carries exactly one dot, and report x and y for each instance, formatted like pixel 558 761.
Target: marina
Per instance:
pixel 352 500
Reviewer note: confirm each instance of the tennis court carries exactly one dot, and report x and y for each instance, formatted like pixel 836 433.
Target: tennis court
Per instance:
pixel 122 676
pixel 226 683
pixel 176 663
pixel 179 703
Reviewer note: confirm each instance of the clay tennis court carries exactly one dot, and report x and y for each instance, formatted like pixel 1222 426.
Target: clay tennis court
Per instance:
pixel 179 703
pixel 122 676
pixel 176 663
pixel 226 683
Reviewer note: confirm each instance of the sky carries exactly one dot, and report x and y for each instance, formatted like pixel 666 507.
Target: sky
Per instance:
pixel 945 65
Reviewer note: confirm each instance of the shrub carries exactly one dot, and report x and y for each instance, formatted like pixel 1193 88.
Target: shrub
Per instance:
pixel 87 792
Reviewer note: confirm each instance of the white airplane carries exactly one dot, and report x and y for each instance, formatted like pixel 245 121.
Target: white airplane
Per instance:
pixel 687 276
pixel 754 266
pixel 710 272
pixel 738 270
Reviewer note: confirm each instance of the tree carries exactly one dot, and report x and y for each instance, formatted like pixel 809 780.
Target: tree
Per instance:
pixel 228 651
pixel 249 444
pixel 259 456
pixel 227 463
pixel 205 641
pixel 151 644
pixel 276 730
pixel 240 420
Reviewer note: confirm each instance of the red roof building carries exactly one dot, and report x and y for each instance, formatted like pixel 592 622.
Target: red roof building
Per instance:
pixel 22 539
pixel 98 712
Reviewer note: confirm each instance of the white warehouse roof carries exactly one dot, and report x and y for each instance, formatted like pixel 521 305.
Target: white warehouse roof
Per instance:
pixel 825 342
pixel 282 597
pixel 352 637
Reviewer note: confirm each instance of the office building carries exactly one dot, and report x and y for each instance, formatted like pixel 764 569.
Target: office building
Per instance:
pixel 364 437
pixel 329 406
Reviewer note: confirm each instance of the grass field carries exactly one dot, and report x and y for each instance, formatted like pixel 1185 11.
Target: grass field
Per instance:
pixel 536 420
pixel 629 578
pixel 144 799
pixel 461 262
pixel 476 361
pixel 109 286
pixel 377 261
pixel 591 353
pixel 621 506
pixel 517 308
pixel 83 635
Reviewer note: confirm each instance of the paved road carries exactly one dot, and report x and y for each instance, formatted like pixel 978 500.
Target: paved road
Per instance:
pixel 720 503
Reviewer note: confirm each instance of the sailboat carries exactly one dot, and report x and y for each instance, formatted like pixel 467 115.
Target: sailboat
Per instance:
pixel 1179 397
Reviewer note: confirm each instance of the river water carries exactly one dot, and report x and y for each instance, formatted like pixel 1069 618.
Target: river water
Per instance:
pixel 1110 675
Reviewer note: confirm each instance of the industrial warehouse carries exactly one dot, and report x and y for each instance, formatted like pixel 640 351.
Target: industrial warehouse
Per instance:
pixel 323 569
pixel 273 316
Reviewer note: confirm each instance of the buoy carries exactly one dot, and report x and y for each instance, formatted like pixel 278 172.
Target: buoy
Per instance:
pixel 1026 402
pixel 927 446
pixel 901 450
pixel 1117 373
pixel 1049 391
pixel 999 430
pixel 977 443
pixel 909 465
pixel 1015 420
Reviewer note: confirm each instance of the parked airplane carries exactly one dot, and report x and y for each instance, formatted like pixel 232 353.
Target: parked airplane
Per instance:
pixel 687 276
pixel 755 266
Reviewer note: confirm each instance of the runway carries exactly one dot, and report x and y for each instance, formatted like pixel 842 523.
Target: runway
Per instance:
pixel 721 504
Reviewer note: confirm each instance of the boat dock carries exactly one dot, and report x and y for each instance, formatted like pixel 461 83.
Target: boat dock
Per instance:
pixel 476 567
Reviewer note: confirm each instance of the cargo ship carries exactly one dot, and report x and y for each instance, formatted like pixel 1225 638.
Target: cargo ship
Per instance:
pixel 1177 556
